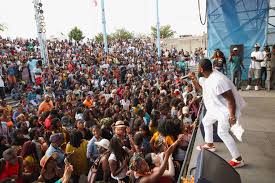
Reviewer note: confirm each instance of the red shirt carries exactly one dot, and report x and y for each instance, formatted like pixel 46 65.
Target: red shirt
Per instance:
pixel 70 67
pixel 9 171
pixel 48 123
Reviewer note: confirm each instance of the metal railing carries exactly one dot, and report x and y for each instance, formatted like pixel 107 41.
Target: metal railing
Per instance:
pixel 188 155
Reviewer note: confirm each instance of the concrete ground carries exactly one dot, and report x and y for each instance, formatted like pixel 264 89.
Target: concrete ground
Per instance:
pixel 258 146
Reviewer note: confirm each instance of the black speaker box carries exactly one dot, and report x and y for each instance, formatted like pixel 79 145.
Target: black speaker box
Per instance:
pixel 211 168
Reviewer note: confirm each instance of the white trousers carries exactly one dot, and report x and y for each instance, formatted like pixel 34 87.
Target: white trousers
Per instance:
pixel 223 131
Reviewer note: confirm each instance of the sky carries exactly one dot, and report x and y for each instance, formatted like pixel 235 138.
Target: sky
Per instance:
pixel 134 15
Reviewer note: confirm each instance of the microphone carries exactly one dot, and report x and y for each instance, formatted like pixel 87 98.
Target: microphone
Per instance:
pixel 184 77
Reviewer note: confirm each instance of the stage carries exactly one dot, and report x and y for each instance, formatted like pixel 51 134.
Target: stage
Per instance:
pixel 258 145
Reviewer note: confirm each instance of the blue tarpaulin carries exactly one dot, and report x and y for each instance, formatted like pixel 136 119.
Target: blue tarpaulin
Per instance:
pixel 235 22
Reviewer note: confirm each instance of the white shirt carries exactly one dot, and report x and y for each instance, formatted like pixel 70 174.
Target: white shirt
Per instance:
pixel 122 174
pixel 125 104
pixel 1 82
pixel 263 63
pixel 213 87
pixel 259 56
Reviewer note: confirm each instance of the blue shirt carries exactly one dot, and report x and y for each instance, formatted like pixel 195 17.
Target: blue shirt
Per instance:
pixel 92 149
pixel 60 154
pixel 146 119
pixel 11 71
pixel 32 64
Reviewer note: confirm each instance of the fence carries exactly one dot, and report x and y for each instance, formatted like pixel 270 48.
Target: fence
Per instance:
pixel 186 162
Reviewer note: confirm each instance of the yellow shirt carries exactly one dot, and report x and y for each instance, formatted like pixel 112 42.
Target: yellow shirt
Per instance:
pixel 169 139
pixel 30 164
pixel 78 158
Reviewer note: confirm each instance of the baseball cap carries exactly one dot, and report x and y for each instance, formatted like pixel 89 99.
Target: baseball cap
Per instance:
pixel 257 45
pixel 235 49
pixel 185 110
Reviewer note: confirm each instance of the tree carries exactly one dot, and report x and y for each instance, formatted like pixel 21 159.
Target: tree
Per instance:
pixel 165 31
pixel 122 34
pixel 76 34
pixel 2 27
pixel 99 38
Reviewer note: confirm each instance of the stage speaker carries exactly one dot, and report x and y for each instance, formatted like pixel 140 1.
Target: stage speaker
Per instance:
pixel 240 49
pixel 211 168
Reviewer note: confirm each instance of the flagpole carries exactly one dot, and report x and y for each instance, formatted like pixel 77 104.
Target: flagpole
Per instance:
pixel 158 30
pixel 104 27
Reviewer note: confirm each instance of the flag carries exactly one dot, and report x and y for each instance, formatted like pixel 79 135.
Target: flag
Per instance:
pixel 94 3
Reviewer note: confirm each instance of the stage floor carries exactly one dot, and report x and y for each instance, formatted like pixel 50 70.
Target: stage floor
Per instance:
pixel 258 147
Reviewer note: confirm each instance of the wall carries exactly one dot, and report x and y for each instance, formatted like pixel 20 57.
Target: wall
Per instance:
pixel 189 43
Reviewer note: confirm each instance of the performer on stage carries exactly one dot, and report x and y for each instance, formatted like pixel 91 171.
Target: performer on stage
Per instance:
pixel 223 104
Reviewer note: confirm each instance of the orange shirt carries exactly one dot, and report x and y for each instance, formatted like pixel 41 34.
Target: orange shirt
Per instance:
pixel 45 106
pixel 88 103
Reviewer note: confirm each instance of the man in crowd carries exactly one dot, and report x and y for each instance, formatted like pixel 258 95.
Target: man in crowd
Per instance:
pixel 46 105
pixel 255 67
pixel 236 67
pixel 2 88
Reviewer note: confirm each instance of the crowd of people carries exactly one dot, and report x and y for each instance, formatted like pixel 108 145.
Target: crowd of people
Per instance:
pixel 261 67
pixel 86 117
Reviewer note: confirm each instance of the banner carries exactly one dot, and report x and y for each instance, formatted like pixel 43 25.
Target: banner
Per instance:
pixel 235 22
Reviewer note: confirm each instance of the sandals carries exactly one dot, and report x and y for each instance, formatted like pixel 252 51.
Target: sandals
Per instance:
pixel 207 147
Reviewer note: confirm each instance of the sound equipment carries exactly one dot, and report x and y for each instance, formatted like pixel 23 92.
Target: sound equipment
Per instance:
pixel 211 168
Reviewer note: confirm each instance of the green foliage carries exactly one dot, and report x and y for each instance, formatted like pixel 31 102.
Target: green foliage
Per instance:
pixel 122 34
pixel 2 27
pixel 165 31
pixel 99 38
pixel 76 34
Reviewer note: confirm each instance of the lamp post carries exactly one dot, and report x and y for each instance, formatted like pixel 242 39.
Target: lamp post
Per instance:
pixel 41 30
pixel 158 30
pixel 104 27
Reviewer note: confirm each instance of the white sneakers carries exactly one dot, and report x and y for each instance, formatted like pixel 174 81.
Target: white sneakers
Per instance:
pixel 249 88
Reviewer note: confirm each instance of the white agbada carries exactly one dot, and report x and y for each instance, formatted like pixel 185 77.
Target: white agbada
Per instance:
pixel 215 85
pixel 217 109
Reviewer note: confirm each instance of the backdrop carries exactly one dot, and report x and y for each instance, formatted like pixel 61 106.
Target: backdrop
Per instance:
pixel 236 22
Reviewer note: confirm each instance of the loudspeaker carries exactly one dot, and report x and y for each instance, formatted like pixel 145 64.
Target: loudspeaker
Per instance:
pixel 211 168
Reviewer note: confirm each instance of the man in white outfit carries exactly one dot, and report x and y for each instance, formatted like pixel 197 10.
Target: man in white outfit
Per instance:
pixel 223 104
pixel 257 58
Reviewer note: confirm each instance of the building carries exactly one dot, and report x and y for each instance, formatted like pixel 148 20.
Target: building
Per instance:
pixel 186 42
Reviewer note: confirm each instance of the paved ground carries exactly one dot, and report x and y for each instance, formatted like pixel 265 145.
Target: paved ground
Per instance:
pixel 258 147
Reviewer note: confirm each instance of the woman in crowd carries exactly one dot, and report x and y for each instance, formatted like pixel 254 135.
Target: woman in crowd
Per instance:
pixel 143 173
pixel 50 172
pixel 118 161
pixel 30 160
pixel 77 148
pixel 92 150
pixel 100 170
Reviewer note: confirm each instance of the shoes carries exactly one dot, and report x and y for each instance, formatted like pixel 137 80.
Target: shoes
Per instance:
pixel 257 88
pixel 248 87
pixel 236 164
pixel 207 147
